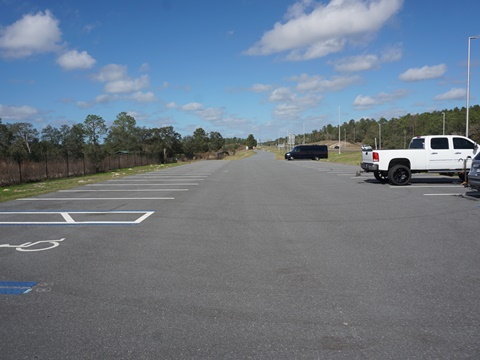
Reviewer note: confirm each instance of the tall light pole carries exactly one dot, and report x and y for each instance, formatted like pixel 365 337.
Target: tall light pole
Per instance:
pixel 443 123
pixel 339 139
pixel 379 135
pixel 468 83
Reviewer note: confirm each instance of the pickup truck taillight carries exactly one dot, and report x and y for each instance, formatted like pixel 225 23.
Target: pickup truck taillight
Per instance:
pixel 375 157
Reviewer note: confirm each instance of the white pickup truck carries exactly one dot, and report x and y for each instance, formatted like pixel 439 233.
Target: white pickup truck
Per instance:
pixel 446 154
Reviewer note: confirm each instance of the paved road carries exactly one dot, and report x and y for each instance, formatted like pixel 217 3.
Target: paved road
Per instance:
pixel 255 258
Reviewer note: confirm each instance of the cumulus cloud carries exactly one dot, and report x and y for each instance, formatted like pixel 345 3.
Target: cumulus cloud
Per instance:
pixel 281 94
pixel 214 115
pixel 366 102
pixel 32 34
pixel 17 113
pixel 287 111
pixel 73 60
pixel 208 114
pixel 192 106
pixel 452 94
pixel 313 30
pixel 317 83
pixel 144 97
pixel 261 88
pixel 424 73
pixel 111 72
pixel 367 61
pixel 119 85
pixel 127 85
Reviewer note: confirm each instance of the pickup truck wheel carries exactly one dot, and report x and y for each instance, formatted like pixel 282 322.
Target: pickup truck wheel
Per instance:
pixel 399 175
pixel 461 176
pixel 381 176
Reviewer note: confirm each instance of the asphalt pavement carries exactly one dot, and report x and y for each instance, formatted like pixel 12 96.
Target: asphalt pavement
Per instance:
pixel 247 259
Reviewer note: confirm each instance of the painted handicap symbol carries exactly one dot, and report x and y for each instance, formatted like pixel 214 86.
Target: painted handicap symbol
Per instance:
pixel 33 246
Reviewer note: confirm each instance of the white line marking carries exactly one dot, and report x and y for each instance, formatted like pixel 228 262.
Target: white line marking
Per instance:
pixel 123 190
pixel 141 218
pixel 70 221
pixel 67 217
pixel 74 199
pixel 453 194
pixel 424 186
pixel 116 184
pixel 156 179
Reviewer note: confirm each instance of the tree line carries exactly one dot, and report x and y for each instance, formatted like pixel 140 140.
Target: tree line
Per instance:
pixel 92 147
pixel 21 141
pixel 396 132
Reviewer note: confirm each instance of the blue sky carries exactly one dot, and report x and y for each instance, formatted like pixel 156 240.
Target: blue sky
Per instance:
pixel 239 67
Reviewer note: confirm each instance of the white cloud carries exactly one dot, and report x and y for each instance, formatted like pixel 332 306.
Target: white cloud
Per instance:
pixel 424 73
pixel 127 85
pixel 357 63
pixel 367 61
pixel 282 94
pixel 366 102
pixel 452 94
pixel 313 29
pixel 144 97
pixel 210 114
pixel 214 115
pixel 145 67
pixel 171 105
pixel 111 72
pixel 32 34
pixel 117 81
pixel 194 106
pixel 17 113
pixel 287 111
pixel 261 88
pixel 392 54
pixel 318 83
pixel 73 60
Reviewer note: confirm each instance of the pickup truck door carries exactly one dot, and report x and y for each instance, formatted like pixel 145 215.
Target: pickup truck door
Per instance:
pixel 462 149
pixel 440 155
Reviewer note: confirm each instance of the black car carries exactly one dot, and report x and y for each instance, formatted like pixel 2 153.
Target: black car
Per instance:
pixel 314 152
pixel 474 175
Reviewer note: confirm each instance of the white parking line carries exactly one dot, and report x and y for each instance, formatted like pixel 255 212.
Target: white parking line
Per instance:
pixel 91 199
pixel 452 194
pixel 117 184
pixel 156 179
pixel 423 186
pixel 95 190
pixel 69 220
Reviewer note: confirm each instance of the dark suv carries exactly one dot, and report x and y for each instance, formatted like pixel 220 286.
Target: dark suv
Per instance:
pixel 314 152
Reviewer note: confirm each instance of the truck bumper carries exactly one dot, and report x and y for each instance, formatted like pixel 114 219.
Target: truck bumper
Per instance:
pixel 369 167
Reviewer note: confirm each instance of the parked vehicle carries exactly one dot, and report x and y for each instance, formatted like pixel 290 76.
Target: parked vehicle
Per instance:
pixel 445 154
pixel 474 174
pixel 313 152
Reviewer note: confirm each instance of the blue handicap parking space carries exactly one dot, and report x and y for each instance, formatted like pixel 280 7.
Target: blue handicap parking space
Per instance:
pixel 16 287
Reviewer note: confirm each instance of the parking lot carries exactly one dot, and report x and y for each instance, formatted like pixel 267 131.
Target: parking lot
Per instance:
pixel 254 258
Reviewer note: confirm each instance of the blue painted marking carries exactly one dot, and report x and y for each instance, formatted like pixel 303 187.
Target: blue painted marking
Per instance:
pixel 16 287
pixel 13 291
pixel 18 283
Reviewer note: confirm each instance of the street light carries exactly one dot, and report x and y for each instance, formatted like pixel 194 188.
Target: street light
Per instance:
pixel 443 123
pixel 379 135
pixel 468 82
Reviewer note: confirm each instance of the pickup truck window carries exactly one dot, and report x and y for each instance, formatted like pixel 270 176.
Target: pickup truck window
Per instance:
pixel 460 143
pixel 439 143
pixel 417 144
